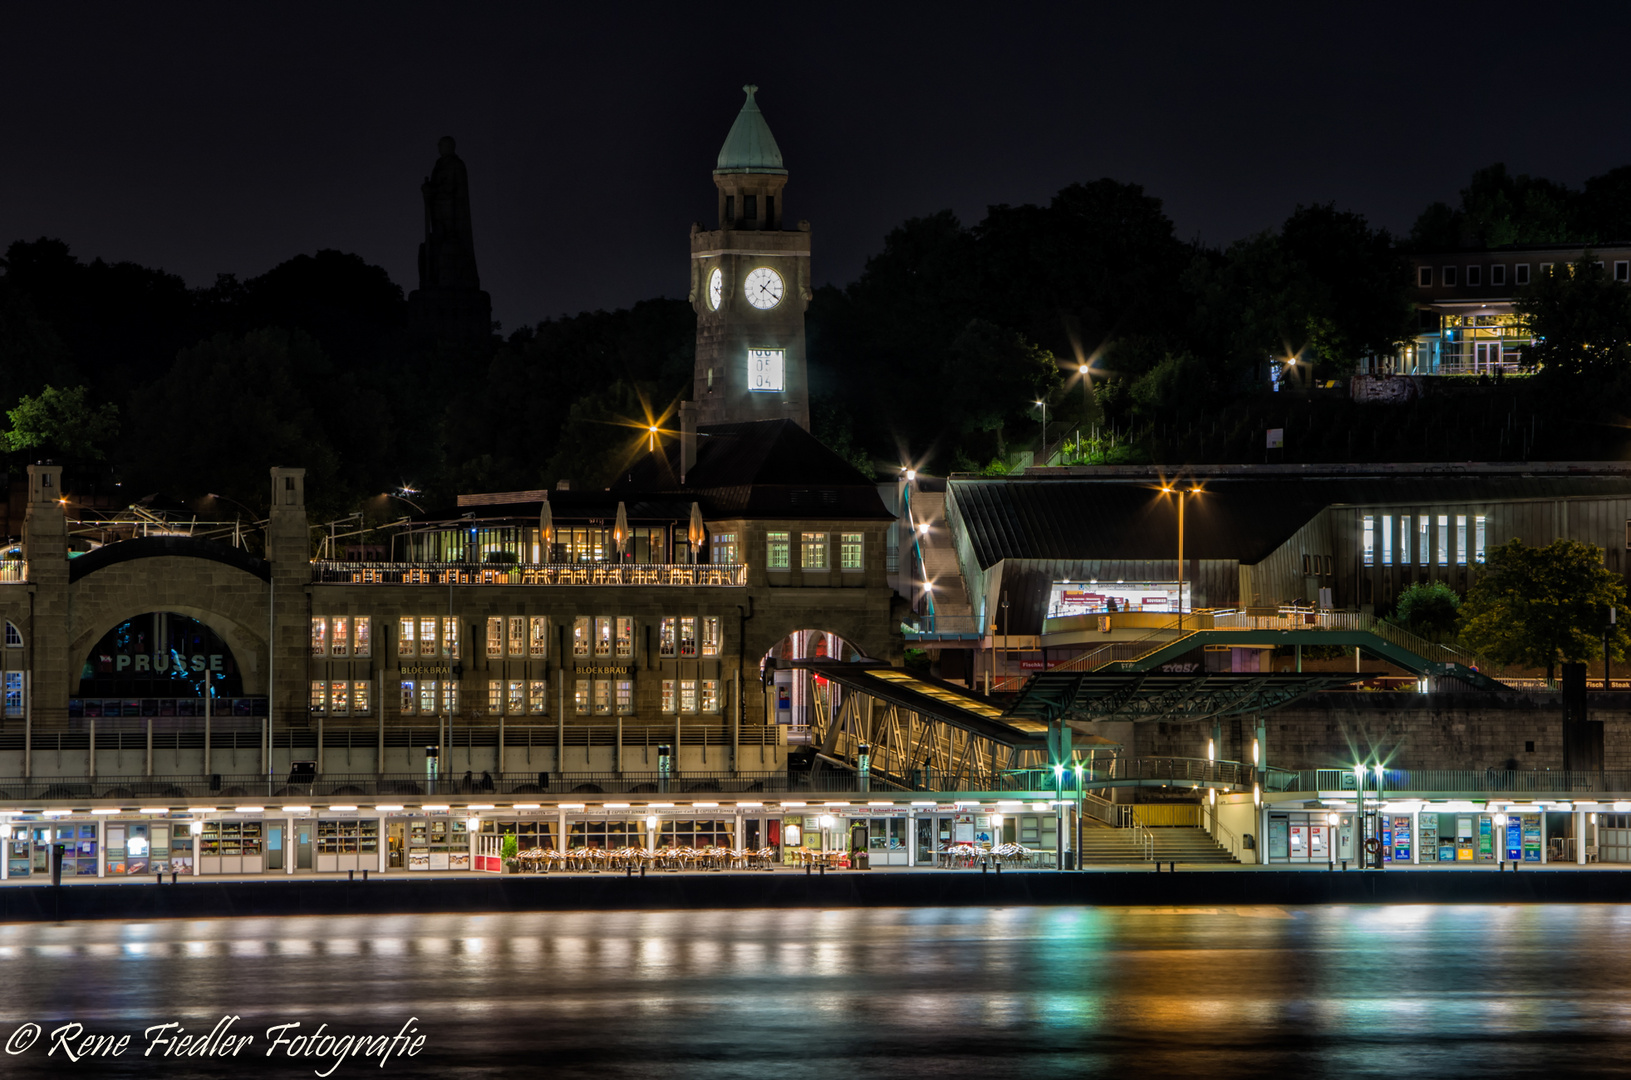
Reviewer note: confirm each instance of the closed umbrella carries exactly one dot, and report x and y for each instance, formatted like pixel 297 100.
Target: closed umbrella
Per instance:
pixel 620 529
pixel 546 529
pixel 696 533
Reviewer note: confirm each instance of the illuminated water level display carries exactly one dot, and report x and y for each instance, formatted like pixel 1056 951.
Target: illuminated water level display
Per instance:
pixel 1020 992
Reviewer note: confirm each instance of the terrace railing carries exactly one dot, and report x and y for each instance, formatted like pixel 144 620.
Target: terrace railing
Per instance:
pixel 730 575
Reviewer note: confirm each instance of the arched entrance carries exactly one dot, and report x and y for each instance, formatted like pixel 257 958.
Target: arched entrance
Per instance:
pixel 791 693
pixel 160 663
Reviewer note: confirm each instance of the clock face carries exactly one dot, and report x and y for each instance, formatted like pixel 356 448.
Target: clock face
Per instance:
pixel 716 288
pixel 763 287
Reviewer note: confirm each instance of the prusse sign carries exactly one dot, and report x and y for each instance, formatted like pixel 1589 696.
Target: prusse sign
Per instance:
pixel 161 663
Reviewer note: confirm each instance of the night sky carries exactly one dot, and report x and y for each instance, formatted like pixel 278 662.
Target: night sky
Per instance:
pixel 212 139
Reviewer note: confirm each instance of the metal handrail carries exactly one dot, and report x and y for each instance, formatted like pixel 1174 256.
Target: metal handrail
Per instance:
pixel 601 573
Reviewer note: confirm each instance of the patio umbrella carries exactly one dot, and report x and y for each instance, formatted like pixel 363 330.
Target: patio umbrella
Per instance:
pixel 696 533
pixel 620 529
pixel 546 528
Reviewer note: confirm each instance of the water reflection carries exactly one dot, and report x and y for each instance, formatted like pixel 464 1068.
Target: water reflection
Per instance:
pixel 1024 992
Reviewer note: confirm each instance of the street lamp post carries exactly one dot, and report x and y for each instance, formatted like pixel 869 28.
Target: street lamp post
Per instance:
pixel 1333 819
pixel 1182 494
pixel 1044 403
pixel 1499 821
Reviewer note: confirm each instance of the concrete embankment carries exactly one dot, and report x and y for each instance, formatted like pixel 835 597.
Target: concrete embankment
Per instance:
pixel 747 890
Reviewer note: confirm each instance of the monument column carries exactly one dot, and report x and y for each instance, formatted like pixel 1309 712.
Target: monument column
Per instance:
pixel 51 679
pixel 288 549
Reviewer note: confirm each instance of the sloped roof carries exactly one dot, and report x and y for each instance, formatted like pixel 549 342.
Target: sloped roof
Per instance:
pixel 750 147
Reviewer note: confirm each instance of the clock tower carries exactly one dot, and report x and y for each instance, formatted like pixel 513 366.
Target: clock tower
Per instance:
pixel 750 283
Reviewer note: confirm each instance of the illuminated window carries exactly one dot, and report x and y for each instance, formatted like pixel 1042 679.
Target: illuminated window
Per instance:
pixel 360 703
pixel 1404 540
pixel 405 640
pixel 813 551
pixel 362 629
pixel 518 635
pixel 724 548
pixel 625 696
pixel 495 696
pixel 778 550
pixel 603 696
pixel 710 635
pixel 13 693
pixel 537 697
pixel 1461 539
pixel 688 635
pixel 409 699
pixel 427 697
pixel 339 699
pixel 14 637
pixel 427 637
pixel 625 637
pixel 319 636
pixel 538 637
pixel 1478 530
pixel 450 636
pixel 849 551
pixel 340 640
pixel 1387 539
pixel 710 695
pixel 319 700
pixel 580 696
pixel 667 636
pixel 518 698
pixel 688 695
pixel 580 636
pixel 450 697
pixel 1368 544
pixel 603 637
pixel 1444 540
pixel 1423 554
pixel 495 637
pixel 668 695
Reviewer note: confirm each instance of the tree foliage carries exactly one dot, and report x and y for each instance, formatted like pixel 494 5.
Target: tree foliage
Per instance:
pixel 62 424
pixel 1538 606
pixel 1581 319
pixel 1428 609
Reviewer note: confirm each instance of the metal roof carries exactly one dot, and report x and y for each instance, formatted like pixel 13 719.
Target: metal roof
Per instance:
pixel 1103 697
pixel 750 147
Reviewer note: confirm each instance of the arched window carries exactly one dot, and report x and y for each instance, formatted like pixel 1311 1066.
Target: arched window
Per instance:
pixel 14 637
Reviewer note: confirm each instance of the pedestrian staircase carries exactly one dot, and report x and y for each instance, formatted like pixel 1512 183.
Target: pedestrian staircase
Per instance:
pixel 952 609
pixel 1183 844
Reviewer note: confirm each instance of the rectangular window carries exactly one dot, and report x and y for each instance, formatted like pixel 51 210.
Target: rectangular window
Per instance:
pixel 603 637
pixel 1424 277
pixel 1545 269
pixel 1444 540
pixel 710 695
pixel 668 695
pixel 625 637
pixel 1447 275
pixel 14 693
pixel 625 696
pixel 580 696
pixel 495 637
pixel 688 635
pixel 1305 564
pixel 1478 539
pixel 1422 550
pixel 537 697
pixel 427 697
pixel 813 551
pixel 580 636
pixel 667 636
pixel 518 698
pixel 538 637
pixel 730 211
pixel 340 639
pixel 1368 544
pixel 495 696
pixel 450 636
pixel 688 695
pixel 450 696
pixel 849 551
pixel 405 638
pixel 362 630
pixel 339 698
pixel 724 548
pixel 1497 274
pixel 1474 275
pixel 778 550
pixel 1461 539
pixel 710 635
pixel 770 210
pixel 409 700
pixel 1404 540
pixel 319 636
pixel 360 703
pixel 1520 274
pixel 319 699
pixel 518 635
pixel 603 696
pixel 1622 270
pixel 1387 539
pixel 750 207
pixel 427 636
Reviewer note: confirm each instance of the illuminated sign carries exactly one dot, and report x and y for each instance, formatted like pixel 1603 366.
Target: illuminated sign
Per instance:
pixel 765 369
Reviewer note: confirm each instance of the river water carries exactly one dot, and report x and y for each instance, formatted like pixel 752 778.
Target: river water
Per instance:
pixel 1400 991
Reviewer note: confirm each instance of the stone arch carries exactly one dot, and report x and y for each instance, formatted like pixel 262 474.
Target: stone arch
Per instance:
pixel 868 637
pixel 229 600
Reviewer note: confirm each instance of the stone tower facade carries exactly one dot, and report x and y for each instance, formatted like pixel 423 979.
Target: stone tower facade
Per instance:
pixel 750 284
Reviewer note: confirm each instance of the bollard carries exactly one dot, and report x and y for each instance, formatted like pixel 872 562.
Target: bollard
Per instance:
pixel 172 877
pixel 365 873
pixel 823 869
pixel 808 869
pixel 630 869
pixel 984 869
pixel 642 869
pixel 999 868
pixel 1172 868
pixel 351 875
pixel 1157 868
pixel 160 875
